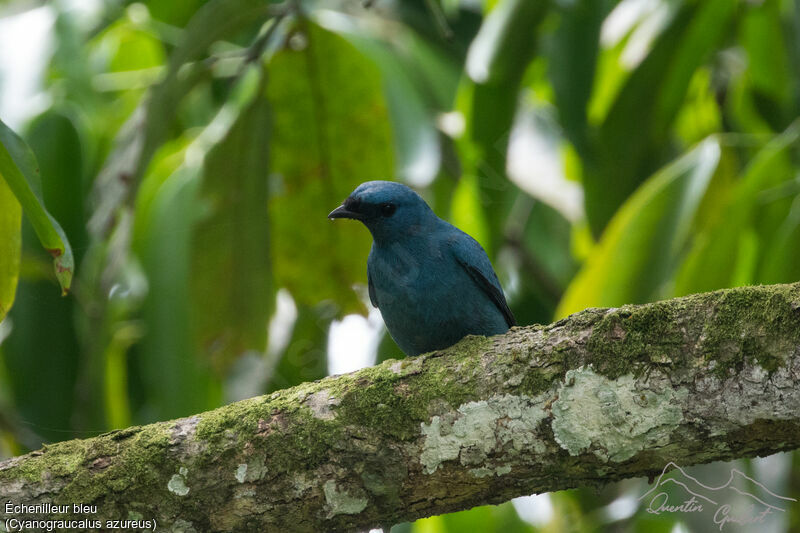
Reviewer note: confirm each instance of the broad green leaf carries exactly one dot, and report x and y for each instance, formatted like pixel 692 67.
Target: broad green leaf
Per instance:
pixel 742 110
pixel 10 247
pixel 430 68
pixel 130 48
pixel 655 523
pixel 746 258
pixel 632 138
pixel 610 76
pixel 330 133
pixel 19 169
pixel 433 524
pixel 115 378
pixel 414 132
pixel 763 40
pixel 175 13
pixel 489 110
pixel 166 161
pixel 641 247
pixel 571 513
pixel 496 62
pixel 231 269
pixel 388 349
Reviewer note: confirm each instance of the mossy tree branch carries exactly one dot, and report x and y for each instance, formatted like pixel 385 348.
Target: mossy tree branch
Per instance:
pixel 603 395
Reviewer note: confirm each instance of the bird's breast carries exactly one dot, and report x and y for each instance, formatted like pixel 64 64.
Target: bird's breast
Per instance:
pixel 405 273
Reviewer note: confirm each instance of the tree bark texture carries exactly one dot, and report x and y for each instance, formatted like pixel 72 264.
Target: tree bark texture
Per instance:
pixel 603 395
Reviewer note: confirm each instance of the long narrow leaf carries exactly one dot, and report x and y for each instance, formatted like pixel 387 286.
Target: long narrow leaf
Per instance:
pixel 19 169
pixel 496 62
pixel 10 247
pixel 625 156
pixel 639 249
pixel 721 242
pixel 572 59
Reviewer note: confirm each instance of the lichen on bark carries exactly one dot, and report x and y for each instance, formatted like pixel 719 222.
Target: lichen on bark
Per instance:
pixel 614 418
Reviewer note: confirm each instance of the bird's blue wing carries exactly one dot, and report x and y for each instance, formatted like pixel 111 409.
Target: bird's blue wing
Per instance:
pixel 471 256
pixel 373 298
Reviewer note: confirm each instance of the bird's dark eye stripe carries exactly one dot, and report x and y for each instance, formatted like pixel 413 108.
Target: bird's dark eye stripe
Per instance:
pixel 387 210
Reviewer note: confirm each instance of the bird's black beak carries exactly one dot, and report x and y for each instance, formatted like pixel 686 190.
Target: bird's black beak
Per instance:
pixel 343 212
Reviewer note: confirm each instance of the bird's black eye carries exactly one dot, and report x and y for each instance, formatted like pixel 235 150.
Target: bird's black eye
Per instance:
pixel 387 210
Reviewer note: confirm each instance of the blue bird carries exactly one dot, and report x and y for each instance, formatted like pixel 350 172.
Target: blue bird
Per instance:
pixel 432 282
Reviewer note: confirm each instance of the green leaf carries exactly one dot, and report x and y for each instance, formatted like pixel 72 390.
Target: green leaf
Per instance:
pixel 768 71
pixel 174 13
pixel 641 247
pixel 51 362
pixel 719 244
pixel 484 518
pixel 503 46
pixel 42 353
pixel 10 247
pixel 197 273
pixel 631 140
pixel 466 211
pixel 231 271
pixel 782 259
pixel 176 380
pixel 331 133
pixel 496 62
pixel 417 79
pixel 132 59
pixel 700 115
pixel 571 63
pixel 415 135
pixel 57 137
pixel 19 169
pixel 541 241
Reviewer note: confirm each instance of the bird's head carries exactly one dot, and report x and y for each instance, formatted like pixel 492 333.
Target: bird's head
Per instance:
pixel 390 210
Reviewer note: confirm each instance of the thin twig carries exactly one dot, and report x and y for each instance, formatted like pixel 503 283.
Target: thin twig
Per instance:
pixel 257 49
pixel 440 18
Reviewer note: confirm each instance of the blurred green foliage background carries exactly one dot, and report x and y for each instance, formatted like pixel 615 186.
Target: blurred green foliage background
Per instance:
pixel 603 152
